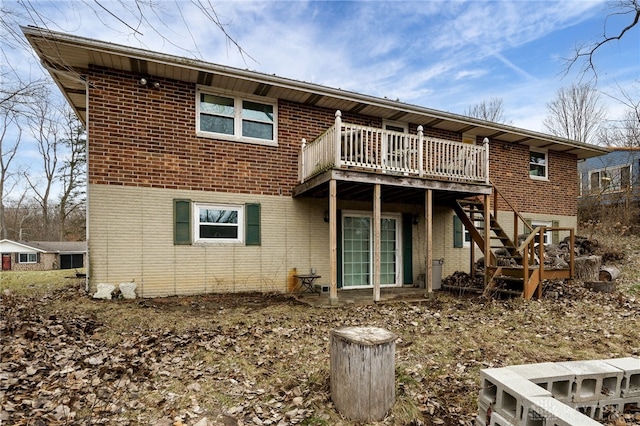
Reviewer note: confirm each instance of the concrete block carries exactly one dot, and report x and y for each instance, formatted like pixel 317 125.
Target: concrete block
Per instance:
pixel 484 411
pixel 608 405
pixel 498 420
pixel 550 376
pixel 507 389
pixel 630 385
pixel 595 380
pixel 545 411
pixel 590 409
pixel 480 421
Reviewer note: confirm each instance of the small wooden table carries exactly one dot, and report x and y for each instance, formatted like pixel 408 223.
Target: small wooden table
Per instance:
pixel 306 282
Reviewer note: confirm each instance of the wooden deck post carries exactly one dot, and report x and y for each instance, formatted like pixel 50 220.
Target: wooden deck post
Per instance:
pixel 301 164
pixel 333 240
pixel 363 372
pixel 487 238
pixel 337 142
pixel 421 150
pixel 428 214
pixel 376 241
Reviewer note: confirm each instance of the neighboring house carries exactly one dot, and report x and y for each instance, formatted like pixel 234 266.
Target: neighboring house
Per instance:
pixel 42 255
pixel 613 178
pixel 207 178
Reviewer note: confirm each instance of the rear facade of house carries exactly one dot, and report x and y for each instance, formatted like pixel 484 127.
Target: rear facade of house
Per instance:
pixel 204 178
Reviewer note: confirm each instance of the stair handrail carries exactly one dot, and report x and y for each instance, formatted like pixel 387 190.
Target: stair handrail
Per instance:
pixel 529 239
pixel 516 213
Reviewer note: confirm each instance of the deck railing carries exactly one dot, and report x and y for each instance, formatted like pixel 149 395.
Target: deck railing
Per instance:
pixel 368 148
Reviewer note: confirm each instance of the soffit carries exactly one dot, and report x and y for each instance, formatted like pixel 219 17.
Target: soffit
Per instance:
pixel 68 57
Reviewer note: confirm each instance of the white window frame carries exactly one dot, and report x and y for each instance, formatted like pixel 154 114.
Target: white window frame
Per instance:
pixel 614 175
pixel 548 235
pixel 30 256
pixel 466 235
pixel 237 118
pixel 240 225
pixel 546 164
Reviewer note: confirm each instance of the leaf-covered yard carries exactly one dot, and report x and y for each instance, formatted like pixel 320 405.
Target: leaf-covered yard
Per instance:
pixel 264 359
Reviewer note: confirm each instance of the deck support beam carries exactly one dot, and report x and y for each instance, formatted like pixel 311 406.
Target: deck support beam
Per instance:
pixel 376 241
pixel 333 240
pixel 488 258
pixel 428 214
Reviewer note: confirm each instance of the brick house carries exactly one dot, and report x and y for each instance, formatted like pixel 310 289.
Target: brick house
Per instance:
pixel 205 178
pixel 42 255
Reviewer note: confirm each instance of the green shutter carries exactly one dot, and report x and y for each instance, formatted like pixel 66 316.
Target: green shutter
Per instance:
pixel 182 222
pixel 458 233
pixel 407 248
pixel 555 235
pixel 339 248
pixel 252 229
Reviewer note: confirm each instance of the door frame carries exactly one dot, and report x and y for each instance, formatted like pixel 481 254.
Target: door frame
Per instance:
pixel 399 273
pixel 6 256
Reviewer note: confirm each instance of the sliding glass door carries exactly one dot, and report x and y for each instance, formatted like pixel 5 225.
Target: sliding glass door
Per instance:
pixel 357 250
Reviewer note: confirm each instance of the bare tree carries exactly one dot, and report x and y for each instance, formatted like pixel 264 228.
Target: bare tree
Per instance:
pixel 9 143
pixel 576 113
pixel 629 11
pixel 136 18
pixel 624 131
pixel 44 121
pixel 491 110
pixel 73 170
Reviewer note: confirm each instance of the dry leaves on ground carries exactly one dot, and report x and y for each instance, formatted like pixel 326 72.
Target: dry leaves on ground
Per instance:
pixel 264 359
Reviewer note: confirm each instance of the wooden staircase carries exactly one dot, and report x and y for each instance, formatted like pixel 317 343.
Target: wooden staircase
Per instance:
pixel 520 266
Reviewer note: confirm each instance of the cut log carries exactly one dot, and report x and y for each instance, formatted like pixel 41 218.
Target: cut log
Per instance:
pixel 363 372
pixel 608 273
pixel 587 268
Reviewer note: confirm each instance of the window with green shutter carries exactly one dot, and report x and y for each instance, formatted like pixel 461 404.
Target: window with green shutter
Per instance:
pixel 182 222
pixel 458 233
pixel 220 223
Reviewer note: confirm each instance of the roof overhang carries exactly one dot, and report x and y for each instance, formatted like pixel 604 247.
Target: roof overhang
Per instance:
pixel 68 57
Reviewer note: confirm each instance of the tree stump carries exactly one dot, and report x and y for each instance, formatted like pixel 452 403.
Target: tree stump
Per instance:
pixel 588 267
pixel 363 372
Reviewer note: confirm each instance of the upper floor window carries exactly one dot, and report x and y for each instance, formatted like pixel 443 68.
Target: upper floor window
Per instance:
pixel 28 258
pixel 538 167
pixel 611 179
pixel 236 118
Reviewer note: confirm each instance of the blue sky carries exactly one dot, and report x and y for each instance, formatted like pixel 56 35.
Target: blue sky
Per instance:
pixel 438 54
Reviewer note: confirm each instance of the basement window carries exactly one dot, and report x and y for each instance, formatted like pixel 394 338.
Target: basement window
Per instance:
pixel 220 223
pixel 236 118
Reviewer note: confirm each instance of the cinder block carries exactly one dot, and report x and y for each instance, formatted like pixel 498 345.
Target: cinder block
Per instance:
pixel 484 411
pixel 595 380
pixel 630 385
pixel 508 389
pixel 498 420
pixel 550 376
pixel 588 408
pixel 480 421
pixel 618 405
pixel 545 411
